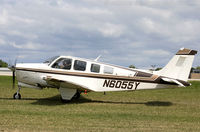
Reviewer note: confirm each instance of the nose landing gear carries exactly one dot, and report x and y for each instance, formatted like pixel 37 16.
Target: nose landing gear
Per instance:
pixel 17 95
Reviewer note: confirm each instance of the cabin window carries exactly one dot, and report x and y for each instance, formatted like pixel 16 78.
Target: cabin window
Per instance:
pixel 79 65
pixel 95 68
pixel 108 70
pixel 63 63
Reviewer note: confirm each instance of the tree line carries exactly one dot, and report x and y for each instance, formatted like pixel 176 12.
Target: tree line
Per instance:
pixel 159 68
pixel 3 64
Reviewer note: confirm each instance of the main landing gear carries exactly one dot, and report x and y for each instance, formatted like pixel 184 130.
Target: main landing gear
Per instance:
pixel 17 95
pixel 75 97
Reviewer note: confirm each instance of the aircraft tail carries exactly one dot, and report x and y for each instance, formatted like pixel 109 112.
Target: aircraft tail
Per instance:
pixel 179 66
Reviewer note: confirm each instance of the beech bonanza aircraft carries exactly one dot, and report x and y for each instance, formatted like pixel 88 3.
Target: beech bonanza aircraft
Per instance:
pixel 72 75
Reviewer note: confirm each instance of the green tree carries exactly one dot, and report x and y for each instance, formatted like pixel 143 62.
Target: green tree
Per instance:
pixel 132 66
pixel 198 67
pixel 3 64
pixel 192 69
pixel 157 69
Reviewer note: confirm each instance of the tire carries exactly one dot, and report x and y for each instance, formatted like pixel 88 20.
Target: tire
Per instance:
pixel 77 95
pixel 17 96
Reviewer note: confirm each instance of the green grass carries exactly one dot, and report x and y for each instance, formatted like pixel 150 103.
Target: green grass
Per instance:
pixel 173 110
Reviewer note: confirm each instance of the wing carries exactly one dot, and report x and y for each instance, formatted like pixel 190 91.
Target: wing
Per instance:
pixel 58 82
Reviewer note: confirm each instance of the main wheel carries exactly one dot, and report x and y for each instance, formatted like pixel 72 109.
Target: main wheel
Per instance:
pixel 77 95
pixel 17 96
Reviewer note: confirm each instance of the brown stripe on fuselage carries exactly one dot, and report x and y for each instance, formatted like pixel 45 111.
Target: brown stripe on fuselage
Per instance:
pixel 150 79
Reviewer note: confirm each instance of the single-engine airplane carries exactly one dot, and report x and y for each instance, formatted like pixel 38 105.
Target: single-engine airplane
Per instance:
pixel 73 75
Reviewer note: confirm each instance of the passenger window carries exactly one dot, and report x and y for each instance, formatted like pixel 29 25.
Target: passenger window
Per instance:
pixel 95 68
pixel 108 70
pixel 79 65
pixel 63 63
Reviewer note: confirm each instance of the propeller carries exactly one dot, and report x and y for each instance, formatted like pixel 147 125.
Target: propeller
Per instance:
pixel 13 69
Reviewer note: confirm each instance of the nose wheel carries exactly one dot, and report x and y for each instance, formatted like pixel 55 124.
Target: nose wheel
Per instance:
pixel 17 95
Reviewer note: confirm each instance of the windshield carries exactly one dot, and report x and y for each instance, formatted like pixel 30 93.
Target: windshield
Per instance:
pixel 48 61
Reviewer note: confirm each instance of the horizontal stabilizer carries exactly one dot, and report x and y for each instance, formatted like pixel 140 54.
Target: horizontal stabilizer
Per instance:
pixel 173 81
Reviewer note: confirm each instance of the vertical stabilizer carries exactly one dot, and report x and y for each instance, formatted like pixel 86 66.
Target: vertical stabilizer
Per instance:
pixel 180 65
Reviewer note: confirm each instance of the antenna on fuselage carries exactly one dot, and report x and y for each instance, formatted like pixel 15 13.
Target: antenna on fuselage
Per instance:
pixel 97 58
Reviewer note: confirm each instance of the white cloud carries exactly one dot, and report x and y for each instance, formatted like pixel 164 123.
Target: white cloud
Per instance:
pixel 123 31
pixel 111 30
pixel 156 52
pixel 3 17
pixel 148 25
pixel 20 34
pixel 29 46
pixel 2 41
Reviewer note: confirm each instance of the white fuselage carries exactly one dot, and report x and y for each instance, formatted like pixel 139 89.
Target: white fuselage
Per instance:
pixel 72 75
pixel 108 78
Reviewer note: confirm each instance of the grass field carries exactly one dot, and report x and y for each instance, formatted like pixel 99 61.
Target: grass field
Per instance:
pixel 173 110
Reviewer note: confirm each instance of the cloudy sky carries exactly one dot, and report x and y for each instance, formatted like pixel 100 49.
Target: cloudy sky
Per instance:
pixel 124 32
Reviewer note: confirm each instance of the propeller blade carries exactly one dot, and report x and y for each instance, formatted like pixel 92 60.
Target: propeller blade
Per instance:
pixel 15 62
pixel 13 79
pixel 13 69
